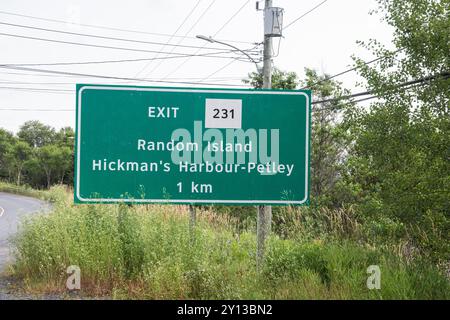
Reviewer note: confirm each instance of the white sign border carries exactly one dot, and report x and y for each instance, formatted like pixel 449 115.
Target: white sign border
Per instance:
pixel 189 201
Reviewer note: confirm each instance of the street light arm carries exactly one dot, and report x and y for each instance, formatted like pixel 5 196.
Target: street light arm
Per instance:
pixel 209 39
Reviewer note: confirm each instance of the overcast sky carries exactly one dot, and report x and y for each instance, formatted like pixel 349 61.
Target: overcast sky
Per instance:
pixel 325 39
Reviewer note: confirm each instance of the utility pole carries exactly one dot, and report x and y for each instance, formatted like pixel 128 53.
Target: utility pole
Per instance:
pixel 267 67
pixel 264 218
pixel 273 20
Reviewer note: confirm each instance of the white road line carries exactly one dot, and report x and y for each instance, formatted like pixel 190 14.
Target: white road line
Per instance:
pixel 2 211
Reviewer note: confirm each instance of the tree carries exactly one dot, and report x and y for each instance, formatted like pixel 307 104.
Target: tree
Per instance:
pixel 401 145
pixel 65 137
pixel 64 158
pixel 33 172
pixel 49 157
pixel 280 80
pixel 328 138
pixel 36 134
pixel 6 144
pixel 21 152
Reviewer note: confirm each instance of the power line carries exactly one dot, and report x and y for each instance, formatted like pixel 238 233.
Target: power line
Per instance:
pixel 205 55
pixel 350 70
pixel 94 45
pixel 350 102
pixel 58 91
pixel 306 13
pixel 38 110
pixel 76 77
pixel 231 18
pixel 407 85
pixel 101 27
pixel 37 89
pixel 171 37
pixel 217 71
pixel 59 110
pixel 74 82
pixel 103 37
pixel 35 75
pixel 229 63
pixel 110 77
pixel 215 34
pixel 186 33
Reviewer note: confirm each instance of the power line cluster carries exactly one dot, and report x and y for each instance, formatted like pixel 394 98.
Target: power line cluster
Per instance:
pixel 100 76
pixel 170 39
pixel 351 69
pixel 214 35
pixel 304 14
pixel 103 27
pixel 103 37
pixel 110 47
pixel 182 37
pixel 159 55
pixel 370 93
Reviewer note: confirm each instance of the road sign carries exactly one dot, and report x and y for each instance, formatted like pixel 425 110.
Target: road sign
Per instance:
pixel 191 145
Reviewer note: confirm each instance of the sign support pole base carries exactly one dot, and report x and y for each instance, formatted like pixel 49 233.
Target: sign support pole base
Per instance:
pixel 263 227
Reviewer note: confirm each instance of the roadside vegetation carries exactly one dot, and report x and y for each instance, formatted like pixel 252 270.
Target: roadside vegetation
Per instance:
pixel 24 190
pixel 150 252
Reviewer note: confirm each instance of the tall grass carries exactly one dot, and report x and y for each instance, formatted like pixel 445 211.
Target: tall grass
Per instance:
pixel 149 252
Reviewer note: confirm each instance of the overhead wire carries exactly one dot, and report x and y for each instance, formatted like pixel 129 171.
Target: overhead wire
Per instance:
pixel 171 37
pixel 109 77
pixel 215 34
pixel 93 45
pixel 405 85
pixel 37 110
pixel 351 69
pixel 103 37
pixel 205 55
pixel 217 71
pixel 186 33
pixel 304 14
pixel 373 94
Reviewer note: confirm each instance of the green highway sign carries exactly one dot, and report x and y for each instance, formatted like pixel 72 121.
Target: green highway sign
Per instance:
pixel 192 145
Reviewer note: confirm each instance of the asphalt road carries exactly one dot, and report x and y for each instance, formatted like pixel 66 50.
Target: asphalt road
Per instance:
pixel 12 209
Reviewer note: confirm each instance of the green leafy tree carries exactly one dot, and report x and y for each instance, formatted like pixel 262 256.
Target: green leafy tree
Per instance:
pixel 33 172
pixel 64 159
pixel 400 156
pixel 21 153
pixel 6 145
pixel 328 138
pixel 65 137
pixel 36 134
pixel 49 157
pixel 39 155
pixel 280 80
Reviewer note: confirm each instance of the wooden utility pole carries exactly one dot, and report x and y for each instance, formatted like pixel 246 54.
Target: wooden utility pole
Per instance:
pixel 264 218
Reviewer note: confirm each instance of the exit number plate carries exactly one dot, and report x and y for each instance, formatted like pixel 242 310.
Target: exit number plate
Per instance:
pixel 223 113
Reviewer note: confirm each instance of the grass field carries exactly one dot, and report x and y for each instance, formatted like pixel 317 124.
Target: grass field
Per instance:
pixel 150 252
